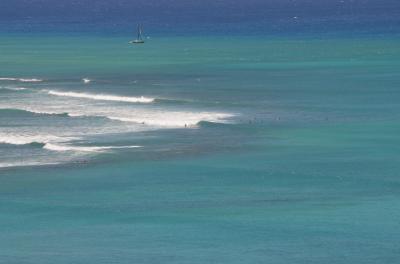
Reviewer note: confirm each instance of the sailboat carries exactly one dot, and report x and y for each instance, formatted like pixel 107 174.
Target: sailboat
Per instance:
pixel 139 39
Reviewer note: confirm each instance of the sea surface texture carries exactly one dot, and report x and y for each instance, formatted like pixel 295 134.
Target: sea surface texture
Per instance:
pixel 236 146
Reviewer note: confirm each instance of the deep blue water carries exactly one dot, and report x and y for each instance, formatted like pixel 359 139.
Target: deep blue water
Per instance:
pixel 255 17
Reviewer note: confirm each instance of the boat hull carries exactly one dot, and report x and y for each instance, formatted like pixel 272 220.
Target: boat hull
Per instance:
pixel 137 42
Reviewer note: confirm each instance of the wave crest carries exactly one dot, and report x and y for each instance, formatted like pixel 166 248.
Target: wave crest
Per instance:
pixel 63 148
pixel 50 143
pixel 13 88
pixel 103 97
pixel 175 119
pixel 30 113
pixel 157 119
pixel 30 139
pixel 20 79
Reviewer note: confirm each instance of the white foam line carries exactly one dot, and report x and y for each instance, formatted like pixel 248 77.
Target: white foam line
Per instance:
pixel 30 80
pixel 176 120
pixel 161 119
pixel 104 97
pixel 13 88
pixel 155 119
pixel 25 140
pixel 63 148
pixel 25 164
pixel 20 79
pixel 8 79
pixel 29 139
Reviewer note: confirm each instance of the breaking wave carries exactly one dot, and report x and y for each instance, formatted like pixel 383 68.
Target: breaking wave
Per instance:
pixel 63 148
pixel 25 164
pixel 25 112
pixel 45 142
pixel 103 97
pixel 175 119
pixel 13 88
pixel 20 79
pixel 34 140
pixel 158 119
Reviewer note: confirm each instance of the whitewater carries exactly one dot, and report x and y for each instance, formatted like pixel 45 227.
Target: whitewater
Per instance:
pixel 74 124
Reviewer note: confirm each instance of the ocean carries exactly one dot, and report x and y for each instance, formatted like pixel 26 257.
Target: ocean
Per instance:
pixel 199 149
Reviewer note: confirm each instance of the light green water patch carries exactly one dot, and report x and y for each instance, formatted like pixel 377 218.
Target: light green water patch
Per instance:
pixel 308 174
pixel 48 56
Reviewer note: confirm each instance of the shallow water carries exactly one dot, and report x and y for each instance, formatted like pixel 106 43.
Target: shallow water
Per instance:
pixel 187 150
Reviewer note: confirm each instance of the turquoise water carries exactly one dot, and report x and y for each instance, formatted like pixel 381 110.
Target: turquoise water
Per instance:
pixel 199 150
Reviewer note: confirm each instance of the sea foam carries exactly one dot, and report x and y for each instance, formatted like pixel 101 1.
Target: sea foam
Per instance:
pixel 25 139
pixel 13 88
pixel 146 118
pixel 24 164
pixel 63 148
pixel 174 119
pixel 20 79
pixel 30 80
pixel 50 142
pixel 104 97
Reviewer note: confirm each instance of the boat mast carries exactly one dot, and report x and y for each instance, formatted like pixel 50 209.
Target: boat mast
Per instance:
pixel 139 32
